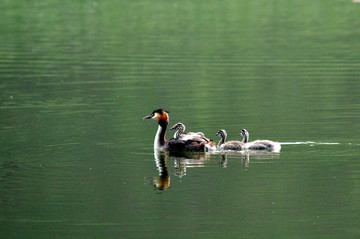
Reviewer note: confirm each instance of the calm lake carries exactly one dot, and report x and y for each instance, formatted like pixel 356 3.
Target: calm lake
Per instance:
pixel 77 159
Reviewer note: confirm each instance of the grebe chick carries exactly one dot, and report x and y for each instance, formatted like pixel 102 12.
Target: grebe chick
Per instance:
pixel 200 144
pixel 230 145
pixel 180 129
pixel 259 144
pixel 180 135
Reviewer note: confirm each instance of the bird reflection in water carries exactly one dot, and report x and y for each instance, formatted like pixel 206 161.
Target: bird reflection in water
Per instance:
pixel 163 181
pixel 244 159
pixel 182 161
pixel 245 156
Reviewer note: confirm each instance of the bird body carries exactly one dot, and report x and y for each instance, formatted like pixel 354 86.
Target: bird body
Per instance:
pixel 229 145
pixel 180 129
pixel 189 142
pixel 259 144
pixel 188 139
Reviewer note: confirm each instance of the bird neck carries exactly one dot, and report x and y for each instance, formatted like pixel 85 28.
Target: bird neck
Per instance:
pixel 178 132
pixel 245 138
pixel 222 140
pixel 160 135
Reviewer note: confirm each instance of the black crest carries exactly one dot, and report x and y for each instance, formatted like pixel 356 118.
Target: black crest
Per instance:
pixel 160 111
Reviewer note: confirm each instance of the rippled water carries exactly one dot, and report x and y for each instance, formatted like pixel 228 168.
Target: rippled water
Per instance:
pixel 77 159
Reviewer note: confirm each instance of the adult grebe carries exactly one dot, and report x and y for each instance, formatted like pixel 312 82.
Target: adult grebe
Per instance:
pixel 259 144
pixel 200 144
pixel 230 145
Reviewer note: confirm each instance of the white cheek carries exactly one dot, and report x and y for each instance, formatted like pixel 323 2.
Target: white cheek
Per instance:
pixel 156 116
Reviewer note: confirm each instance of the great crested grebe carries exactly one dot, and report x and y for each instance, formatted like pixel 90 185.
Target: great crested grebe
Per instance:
pixel 201 144
pixel 192 136
pixel 230 145
pixel 259 144
pixel 180 129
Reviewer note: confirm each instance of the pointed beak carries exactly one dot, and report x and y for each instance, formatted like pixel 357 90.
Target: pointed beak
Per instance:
pixel 217 134
pixel 148 117
pixel 174 127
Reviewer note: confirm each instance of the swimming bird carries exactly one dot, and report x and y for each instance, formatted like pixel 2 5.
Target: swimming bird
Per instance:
pixel 180 135
pixel 180 129
pixel 230 145
pixel 201 144
pixel 259 144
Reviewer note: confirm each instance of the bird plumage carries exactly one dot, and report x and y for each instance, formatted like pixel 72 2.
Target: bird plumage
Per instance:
pixel 229 145
pixel 193 142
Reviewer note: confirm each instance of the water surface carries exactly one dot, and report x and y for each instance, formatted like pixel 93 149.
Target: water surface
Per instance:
pixel 77 159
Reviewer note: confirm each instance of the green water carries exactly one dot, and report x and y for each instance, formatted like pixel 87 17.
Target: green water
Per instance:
pixel 77 160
